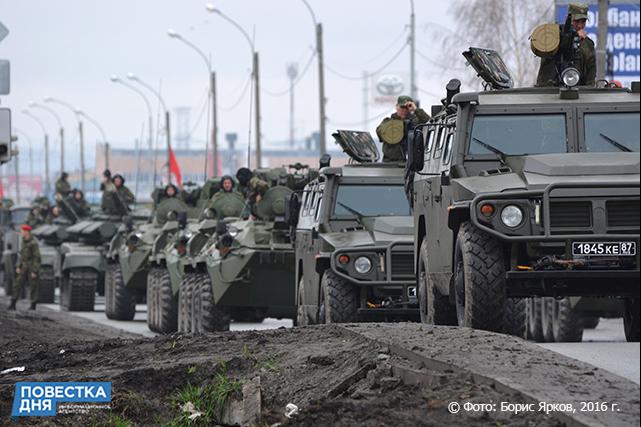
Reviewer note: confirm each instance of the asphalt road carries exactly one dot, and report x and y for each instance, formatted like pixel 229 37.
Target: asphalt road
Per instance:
pixel 604 346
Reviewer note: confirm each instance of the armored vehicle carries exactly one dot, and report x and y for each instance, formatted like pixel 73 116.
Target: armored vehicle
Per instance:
pixel 12 219
pixel 525 192
pixel 354 241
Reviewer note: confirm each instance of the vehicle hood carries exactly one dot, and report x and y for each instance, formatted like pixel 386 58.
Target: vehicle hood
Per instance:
pixel 374 231
pixel 538 171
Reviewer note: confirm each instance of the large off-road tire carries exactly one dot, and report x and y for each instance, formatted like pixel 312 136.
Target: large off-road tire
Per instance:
pixel 434 308
pixel 591 322
pixel 547 318
pixel 152 302
pixel 567 322
pixel 166 314
pixel 340 299
pixel 479 274
pixel 206 315
pixel 185 302
pixel 302 319
pixel 120 301
pixel 78 289
pixel 631 319
pixel 47 287
pixel 534 321
pixel 515 317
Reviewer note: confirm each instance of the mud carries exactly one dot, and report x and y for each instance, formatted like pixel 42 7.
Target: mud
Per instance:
pixel 334 375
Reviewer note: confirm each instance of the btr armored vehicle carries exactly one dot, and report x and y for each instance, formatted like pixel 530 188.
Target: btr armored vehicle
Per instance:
pixel 522 193
pixel 354 241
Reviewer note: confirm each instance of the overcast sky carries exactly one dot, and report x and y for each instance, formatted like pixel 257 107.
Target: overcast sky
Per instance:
pixel 68 48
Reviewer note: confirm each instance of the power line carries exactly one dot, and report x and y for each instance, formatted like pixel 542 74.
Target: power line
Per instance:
pixel 369 74
pixel 382 52
pixel 240 97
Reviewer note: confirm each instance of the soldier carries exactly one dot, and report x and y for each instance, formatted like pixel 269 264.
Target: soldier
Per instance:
pixel 34 219
pixel 106 186
pixel 586 61
pixel 227 184
pixel 392 131
pixel 252 188
pixel 54 213
pixel 62 185
pixel 28 268
pixel 117 187
pixel 45 207
pixel 79 203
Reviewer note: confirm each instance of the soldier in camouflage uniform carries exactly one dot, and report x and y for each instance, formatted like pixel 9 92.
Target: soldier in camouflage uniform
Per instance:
pixel 392 131
pixel 79 203
pixel 586 62
pixel 116 186
pixel 34 219
pixel 54 213
pixel 28 268
pixel 62 185
pixel 252 189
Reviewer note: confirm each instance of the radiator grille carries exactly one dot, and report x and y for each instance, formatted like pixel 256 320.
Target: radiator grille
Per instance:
pixel 623 213
pixel 570 214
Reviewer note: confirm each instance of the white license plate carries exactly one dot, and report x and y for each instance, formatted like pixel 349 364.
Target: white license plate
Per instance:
pixel 604 248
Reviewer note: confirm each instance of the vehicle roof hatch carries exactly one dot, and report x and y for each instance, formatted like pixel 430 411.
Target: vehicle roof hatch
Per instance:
pixel 489 66
pixel 358 145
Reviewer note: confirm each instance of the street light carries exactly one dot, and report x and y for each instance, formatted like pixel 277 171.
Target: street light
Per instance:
pixel 80 134
pixel 104 141
pixel 29 114
pixel 34 104
pixel 115 79
pixel 413 90
pixel 255 74
pixel 318 28
pixel 213 98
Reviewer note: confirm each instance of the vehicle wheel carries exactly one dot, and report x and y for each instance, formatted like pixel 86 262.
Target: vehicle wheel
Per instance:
pixel 152 303
pixel 120 302
pixel 210 317
pixel 184 303
pixel 434 308
pixel 631 319
pixel 78 292
pixel 515 315
pixel 591 322
pixel 47 287
pixel 340 303
pixel 534 322
pixel 301 314
pixel 567 322
pixel 479 273
pixel 547 318
pixel 166 303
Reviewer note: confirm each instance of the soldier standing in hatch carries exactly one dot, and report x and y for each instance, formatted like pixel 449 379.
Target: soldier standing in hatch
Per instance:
pixel 586 61
pixel 28 268
pixel 392 131
pixel 118 188
pixel 79 203
pixel 252 188
pixel 62 185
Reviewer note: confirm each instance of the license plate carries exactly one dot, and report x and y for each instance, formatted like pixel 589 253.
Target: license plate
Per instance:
pixel 604 248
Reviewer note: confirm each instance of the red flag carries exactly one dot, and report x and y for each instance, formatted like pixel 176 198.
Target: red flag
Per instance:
pixel 174 168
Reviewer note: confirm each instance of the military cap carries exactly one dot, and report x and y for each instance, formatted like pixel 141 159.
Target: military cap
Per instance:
pixel 404 99
pixel 578 11
pixel 391 131
pixel 26 227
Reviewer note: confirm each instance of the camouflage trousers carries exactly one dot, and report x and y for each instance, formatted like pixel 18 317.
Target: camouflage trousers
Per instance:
pixel 22 280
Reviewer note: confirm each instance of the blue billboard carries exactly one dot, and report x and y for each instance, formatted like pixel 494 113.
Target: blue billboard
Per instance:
pixel 623 38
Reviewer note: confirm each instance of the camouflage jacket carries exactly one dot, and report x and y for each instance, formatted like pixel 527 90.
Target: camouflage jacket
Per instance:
pixel 107 204
pixel 549 76
pixel 396 152
pixel 35 220
pixel 29 261
pixel 63 187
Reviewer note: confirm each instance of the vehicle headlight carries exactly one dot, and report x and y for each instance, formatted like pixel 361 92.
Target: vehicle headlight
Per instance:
pixel 570 77
pixel 362 265
pixel 233 231
pixel 512 216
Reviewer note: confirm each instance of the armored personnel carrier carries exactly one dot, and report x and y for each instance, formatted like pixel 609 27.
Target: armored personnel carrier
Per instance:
pixel 530 192
pixel 354 241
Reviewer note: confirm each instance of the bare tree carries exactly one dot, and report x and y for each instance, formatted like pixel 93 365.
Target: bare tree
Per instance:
pixel 502 25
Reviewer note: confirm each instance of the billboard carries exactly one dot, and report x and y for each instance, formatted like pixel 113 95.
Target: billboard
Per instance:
pixel 623 37
pixel 387 86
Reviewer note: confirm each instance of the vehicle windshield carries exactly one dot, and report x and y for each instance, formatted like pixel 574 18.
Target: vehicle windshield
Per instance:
pixel 19 216
pixel 371 200
pixel 611 132
pixel 518 134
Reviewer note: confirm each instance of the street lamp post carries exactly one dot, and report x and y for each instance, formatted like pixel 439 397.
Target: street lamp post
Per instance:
pixel 44 131
pixel 102 134
pixel 62 132
pixel 413 89
pixel 321 80
pixel 81 135
pixel 212 97
pixel 255 75
pixel 115 79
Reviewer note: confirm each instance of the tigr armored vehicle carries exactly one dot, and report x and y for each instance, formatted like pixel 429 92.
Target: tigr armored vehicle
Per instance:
pixel 354 241
pixel 525 192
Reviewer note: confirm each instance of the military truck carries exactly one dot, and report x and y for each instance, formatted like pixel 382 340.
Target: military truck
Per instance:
pixel 354 240
pixel 525 192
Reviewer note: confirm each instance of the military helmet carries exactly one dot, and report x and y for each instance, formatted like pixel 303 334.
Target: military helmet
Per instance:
pixel 391 131
pixel 244 175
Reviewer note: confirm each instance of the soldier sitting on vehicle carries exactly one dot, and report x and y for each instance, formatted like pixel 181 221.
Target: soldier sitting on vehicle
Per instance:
pixel 117 189
pixel 62 185
pixel 34 219
pixel 28 268
pixel 392 131
pixel 252 188
pixel 54 213
pixel 79 203
pixel 106 186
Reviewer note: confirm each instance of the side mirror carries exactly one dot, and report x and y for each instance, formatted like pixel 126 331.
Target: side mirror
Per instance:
pixel 415 150
pixel 445 179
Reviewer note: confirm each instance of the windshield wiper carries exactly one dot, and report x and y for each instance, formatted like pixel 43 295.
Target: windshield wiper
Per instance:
pixel 616 144
pixel 352 211
pixel 491 148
